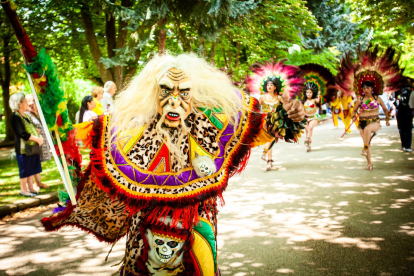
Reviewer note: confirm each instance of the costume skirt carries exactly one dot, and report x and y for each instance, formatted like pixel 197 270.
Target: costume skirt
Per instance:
pixel 312 117
pixel 364 121
pixel 28 165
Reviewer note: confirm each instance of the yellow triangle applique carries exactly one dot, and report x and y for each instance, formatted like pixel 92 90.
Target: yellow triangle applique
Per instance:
pixel 161 166
pixel 221 117
pixel 196 148
pixel 128 138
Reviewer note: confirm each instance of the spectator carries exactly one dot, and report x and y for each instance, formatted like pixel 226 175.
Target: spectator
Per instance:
pixel 97 93
pixel 405 117
pixel 45 154
pixel 109 92
pixel 86 113
pixel 25 133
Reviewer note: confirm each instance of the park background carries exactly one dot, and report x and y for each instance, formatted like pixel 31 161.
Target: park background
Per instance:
pixel 94 41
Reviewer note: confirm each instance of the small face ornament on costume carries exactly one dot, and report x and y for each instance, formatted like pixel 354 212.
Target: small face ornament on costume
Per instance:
pixel 165 248
pixel 175 97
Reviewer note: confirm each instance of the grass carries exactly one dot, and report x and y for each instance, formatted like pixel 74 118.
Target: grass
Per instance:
pixel 10 181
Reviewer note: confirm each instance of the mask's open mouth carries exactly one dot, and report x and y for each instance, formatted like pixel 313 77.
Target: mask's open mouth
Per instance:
pixel 172 116
pixel 162 256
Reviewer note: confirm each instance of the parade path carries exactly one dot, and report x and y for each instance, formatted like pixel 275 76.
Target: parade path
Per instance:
pixel 317 213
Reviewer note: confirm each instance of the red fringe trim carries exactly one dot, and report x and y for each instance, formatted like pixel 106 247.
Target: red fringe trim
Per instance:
pixel 184 209
pixel 240 159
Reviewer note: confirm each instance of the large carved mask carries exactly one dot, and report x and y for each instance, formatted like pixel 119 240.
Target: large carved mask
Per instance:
pixel 175 97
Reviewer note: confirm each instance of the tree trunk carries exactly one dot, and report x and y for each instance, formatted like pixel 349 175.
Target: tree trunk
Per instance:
pixel 112 43
pixel 5 85
pixel 213 53
pixel 92 43
pixel 131 70
pixel 237 55
pixel 162 36
pixel 225 58
pixel 203 42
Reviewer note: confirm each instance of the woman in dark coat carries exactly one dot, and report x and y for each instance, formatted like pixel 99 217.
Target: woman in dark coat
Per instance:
pixel 25 132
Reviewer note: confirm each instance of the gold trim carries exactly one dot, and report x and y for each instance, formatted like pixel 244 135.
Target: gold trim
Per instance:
pixel 224 168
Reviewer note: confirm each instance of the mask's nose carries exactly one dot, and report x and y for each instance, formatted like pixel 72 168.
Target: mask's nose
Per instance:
pixel 175 101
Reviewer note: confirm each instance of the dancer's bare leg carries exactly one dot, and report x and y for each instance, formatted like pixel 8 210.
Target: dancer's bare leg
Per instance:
pixel 366 135
pixel 309 132
pixel 269 160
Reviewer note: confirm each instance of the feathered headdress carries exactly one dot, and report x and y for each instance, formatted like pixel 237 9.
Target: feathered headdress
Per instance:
pixel 318 78
pixel 287 77
pixel 382 70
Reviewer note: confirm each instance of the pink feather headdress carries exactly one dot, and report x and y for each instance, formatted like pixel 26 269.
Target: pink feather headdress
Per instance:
pixel 290 78
pixel 382 70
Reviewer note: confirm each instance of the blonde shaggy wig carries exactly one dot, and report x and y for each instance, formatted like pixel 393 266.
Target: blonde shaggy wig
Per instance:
pixel 138 104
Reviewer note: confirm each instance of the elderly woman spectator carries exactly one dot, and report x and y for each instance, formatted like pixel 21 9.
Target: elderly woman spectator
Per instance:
pixel 97 93
pixel 45 154
pixel 109 92
pixel 25 134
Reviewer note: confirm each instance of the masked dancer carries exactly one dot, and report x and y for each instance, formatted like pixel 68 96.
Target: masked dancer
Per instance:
pixel 157 173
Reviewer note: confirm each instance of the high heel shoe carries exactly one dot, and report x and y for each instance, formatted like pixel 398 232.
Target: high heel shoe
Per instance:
pixel 364 152
pixel 369 168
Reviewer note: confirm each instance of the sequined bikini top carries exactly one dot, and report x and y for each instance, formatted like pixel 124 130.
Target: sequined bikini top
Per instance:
pixel 269 106
pixel 371 106
pixel 310 107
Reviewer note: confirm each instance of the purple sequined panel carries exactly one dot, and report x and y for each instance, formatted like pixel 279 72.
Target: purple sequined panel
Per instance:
pixel 168 180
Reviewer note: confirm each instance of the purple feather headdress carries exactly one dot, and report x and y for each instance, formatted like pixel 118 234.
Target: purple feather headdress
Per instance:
pixel 381 69
pixel 290 78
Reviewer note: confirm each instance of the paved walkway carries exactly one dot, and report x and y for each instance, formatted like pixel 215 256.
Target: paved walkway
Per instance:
pixel 317 213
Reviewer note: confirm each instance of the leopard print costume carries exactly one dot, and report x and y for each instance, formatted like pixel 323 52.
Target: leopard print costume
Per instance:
pixel 106 204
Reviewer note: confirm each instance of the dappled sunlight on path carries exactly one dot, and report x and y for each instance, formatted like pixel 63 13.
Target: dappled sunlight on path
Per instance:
pixel 323 214
pixel 26 249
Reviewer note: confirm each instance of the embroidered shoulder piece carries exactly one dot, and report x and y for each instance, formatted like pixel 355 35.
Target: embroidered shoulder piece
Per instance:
pixel 138 168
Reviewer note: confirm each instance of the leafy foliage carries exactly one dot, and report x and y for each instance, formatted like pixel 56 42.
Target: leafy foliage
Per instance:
pixel 327 58
pixel 386 14
pixel 337 30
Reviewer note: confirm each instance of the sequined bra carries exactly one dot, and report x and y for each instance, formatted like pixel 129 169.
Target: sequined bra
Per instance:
pixel 370 106
pixel 269 106
pixel 312 109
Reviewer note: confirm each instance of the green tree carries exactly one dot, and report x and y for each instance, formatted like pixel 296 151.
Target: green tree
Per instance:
pixel 388 14
pixel 337 30
pixel 264 34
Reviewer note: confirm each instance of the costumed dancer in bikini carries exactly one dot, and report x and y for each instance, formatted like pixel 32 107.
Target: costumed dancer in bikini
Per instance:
pixel 372 75
pixel 319 82
pixel 269 80
pixel 268 103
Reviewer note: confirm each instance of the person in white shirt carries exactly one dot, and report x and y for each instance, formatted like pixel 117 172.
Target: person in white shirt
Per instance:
pixel 86 113
pixel 107 100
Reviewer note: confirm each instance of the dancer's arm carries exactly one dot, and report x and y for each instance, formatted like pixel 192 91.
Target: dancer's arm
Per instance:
pixel 386 111
pixel 354 112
